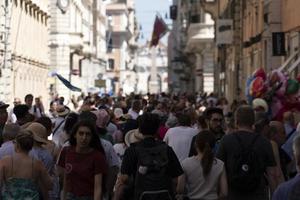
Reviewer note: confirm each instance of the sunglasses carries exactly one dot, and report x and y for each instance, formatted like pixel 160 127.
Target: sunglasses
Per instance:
pixel 217 120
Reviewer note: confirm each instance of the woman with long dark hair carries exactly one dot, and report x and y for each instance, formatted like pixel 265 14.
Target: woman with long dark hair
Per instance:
pixel 83 163
pixel 204 175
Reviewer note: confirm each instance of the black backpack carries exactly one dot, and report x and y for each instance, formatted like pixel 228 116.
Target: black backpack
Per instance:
pixel 248 169
pixel 152 181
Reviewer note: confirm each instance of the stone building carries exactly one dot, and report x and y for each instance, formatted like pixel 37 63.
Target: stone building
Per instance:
pixel 122 32
pixel 266 36
pixel 24 51
pixel 77 44
pixel 191 48
pixel 143 68
pixel 291 29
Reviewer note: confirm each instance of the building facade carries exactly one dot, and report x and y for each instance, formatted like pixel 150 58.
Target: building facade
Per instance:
pixel 143 68
pixel 24 51
pixel 122 45
pixel 191 48
pixel 176 43
pixel 77 44
pixel 291 29
pixel 266 35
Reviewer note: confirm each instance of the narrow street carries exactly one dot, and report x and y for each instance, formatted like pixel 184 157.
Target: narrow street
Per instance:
pixel 149 99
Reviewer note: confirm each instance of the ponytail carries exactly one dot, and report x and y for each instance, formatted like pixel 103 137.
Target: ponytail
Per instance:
pixel 207 159
pixel 204 142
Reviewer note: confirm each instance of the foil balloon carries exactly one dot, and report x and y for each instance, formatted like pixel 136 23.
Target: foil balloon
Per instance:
pixel 260 73
pixel 298 78
pixel 278 78
pixel 257 87
pixel 292 87
pixel 248 83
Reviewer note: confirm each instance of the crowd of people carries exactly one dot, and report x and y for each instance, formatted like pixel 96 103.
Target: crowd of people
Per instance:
pixel 147 147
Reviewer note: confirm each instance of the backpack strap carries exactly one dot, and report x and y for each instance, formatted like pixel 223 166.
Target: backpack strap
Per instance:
pixel 59 125
pixel 290 134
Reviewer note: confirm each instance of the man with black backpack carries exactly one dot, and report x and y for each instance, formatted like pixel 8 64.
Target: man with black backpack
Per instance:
pixel 248 158
pixel 152 165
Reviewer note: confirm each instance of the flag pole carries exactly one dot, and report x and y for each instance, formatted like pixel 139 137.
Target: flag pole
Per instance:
pixel 153 74
pixel 159 30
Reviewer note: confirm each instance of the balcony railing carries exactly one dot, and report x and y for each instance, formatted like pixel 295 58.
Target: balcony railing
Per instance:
pixel 201 31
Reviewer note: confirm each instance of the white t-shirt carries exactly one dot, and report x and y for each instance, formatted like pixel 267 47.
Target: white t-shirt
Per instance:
pixel 35 111
pixel 180 139
pixel 120 150
pixel 199 187
pixel 110 154
pixel 133 114
pixel 59 130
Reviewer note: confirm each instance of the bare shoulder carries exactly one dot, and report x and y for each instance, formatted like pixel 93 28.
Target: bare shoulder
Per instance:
pixel 5 160
pixel 38 165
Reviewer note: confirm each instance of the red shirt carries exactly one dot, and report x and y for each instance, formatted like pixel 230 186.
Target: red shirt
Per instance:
pixel 162 132
pixel 81 169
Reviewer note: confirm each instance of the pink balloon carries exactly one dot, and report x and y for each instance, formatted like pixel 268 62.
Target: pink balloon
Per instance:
pixel 276 106
pixel 278 77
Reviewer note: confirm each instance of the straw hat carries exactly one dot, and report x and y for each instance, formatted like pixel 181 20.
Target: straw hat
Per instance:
pixel 39 132
pixel 133 136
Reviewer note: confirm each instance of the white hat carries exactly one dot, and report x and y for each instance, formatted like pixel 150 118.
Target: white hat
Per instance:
pixel 133 136
pixel 118 112
pixel 260 103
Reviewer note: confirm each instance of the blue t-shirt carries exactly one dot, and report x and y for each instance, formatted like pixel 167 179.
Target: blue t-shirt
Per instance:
pixel 289 190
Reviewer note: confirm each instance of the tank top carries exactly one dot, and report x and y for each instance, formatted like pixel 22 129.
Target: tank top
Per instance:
pixel 20 188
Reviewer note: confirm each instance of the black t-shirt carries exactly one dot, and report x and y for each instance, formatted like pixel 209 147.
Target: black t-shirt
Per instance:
pixel 229 145
pixel 130 159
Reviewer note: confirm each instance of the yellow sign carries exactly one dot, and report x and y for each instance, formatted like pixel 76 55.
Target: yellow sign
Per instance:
pixel 100 83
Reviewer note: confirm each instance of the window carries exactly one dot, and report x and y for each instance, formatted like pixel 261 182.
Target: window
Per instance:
pixel 195 18
pixel 111 65
pixel 110 45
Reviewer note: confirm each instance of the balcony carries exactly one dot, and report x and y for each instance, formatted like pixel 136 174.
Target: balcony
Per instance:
pixel 199 34
pixel 76 40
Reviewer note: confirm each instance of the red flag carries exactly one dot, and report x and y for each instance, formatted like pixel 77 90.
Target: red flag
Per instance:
pixel 159 30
